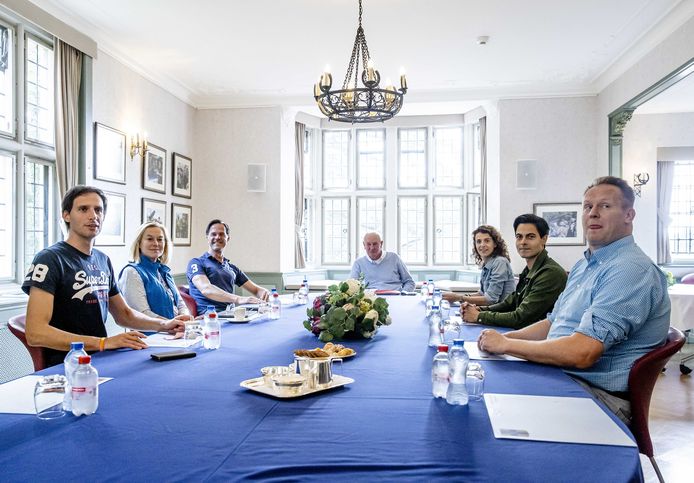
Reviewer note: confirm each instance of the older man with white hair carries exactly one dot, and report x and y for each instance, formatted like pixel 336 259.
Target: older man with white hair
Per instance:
pixel 381 270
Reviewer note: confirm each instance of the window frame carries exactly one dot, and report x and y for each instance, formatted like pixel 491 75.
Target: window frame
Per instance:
pixel 21 148
pixel 15 48
pixel 48 44
pixel 392 193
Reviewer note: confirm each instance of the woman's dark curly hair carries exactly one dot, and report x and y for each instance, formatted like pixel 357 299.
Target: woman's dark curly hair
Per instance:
pixel 499 250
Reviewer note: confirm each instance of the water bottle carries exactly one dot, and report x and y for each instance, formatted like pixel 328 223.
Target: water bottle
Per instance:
pixel 439 372
pixel 424 291
pixel 85 388
pixel 212 331
pixel 457 372
pixel 430 286
pixel 303 294
pixel 438 296
pixel 275 305
pixel 435 325
pixel 305 282
pixel 71 363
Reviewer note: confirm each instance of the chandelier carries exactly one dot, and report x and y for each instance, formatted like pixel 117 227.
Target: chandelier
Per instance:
pixel 370 103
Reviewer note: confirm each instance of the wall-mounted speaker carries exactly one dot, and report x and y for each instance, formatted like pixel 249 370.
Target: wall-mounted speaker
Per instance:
pixel 256 177
pixel 526 174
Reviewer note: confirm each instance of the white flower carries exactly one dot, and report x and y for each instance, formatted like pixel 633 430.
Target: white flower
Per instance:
pixel 371 314
pixel 370 295
pixel 353 286
pixel 388 321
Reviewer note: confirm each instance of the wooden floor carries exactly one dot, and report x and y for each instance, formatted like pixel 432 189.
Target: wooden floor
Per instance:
pixel 672 425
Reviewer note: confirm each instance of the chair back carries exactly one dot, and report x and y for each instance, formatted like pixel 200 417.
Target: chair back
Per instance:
pixel 17 326
pixel 190 302
pixel 689 279
pixel 642 378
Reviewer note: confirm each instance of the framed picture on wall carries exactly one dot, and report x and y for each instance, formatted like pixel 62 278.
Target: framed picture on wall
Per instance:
pixel 113 224
pixel 181 224
pixel 564 220
pixel 182 175
pixel 154 169
pixel 153 210
pixel 109 154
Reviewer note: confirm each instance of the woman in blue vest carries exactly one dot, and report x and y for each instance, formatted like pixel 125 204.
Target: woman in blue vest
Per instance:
pixel 146 282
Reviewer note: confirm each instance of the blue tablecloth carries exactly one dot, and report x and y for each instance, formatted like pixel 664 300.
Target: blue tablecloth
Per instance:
pixel 188 420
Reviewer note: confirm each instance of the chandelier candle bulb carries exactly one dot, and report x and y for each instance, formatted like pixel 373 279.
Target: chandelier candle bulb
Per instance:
pixel 403 83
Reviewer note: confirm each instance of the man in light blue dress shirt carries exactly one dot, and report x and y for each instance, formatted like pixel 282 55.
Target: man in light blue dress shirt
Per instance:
pixel 615 307
pixel 381 270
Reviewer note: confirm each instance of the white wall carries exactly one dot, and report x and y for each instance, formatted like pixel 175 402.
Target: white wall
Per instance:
pixel 559 134
pixel 226 141
pixel 126 101
pixel 670 54
pixel 642 137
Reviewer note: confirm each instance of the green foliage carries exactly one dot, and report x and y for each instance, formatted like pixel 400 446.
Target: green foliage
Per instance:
pixel 346 310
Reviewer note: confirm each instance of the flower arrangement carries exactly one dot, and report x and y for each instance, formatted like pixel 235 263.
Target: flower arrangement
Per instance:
pixel 347 310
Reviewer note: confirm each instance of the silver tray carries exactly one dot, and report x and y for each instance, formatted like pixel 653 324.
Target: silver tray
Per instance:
pixel 258 384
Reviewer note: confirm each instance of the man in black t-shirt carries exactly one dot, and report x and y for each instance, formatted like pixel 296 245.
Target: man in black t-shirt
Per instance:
pixel 71 288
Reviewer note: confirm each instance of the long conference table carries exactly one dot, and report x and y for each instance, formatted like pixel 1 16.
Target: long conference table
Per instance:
pixel 189 420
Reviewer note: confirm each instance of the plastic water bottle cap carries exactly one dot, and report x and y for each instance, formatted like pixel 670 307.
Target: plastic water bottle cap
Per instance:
pixel 77 346
pixel 434 307
pixel 458 341
pixel 442 348
pixel 85 359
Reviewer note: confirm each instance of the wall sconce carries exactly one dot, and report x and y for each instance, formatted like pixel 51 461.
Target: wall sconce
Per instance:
pixel 138 146
pixel 640 179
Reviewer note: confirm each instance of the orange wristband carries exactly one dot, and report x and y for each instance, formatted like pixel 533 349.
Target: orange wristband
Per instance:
pixel 102 343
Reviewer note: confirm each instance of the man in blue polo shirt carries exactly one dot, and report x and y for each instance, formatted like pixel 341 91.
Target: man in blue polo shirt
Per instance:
pixel 615 307
pixel 212 277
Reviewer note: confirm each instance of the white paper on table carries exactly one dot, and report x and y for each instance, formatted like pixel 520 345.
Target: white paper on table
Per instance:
pixel 161 339
pixel 475 353
pixel 549 418
pixel 17 397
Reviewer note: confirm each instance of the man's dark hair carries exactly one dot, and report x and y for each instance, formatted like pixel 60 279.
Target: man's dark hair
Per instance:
pixel 79 190
pixel 215 222
pixel 540 223
pixel 627 192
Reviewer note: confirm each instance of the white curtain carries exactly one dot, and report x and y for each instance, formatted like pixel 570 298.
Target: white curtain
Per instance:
pixel 299 259
pixel 483 181
pixel 68 73
pixel 666 174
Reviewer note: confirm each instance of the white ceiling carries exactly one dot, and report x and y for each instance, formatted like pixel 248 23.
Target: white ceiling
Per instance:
pixel 233 53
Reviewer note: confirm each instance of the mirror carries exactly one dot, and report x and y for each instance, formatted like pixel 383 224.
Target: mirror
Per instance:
pixel 656 155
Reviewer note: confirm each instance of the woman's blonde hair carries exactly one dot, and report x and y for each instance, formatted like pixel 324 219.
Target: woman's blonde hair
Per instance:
pixel 135 247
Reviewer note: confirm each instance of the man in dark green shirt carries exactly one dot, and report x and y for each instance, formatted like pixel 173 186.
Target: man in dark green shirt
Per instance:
pixel 538 287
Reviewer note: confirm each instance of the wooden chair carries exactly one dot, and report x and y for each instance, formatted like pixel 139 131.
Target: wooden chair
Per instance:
pixel 17 326
pixel 642 378
pixel 190 302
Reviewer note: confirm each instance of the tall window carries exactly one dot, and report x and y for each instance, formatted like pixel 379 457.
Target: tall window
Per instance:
pixel 27 157
pixel 39 91
pixel 7 207
pixel 409 184
pixel 681 230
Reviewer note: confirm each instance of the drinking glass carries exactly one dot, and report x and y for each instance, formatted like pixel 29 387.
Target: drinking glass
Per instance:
pixel 193 333
pixel 474 381
pixel 49 394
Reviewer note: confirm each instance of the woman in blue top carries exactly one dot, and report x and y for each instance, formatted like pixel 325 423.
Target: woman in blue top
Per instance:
pixel 496 280
pixel 146 282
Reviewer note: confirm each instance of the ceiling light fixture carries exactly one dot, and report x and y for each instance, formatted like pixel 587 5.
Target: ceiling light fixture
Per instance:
pixel 355 104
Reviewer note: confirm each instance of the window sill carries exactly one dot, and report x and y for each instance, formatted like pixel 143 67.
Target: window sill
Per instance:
pixel 11 295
